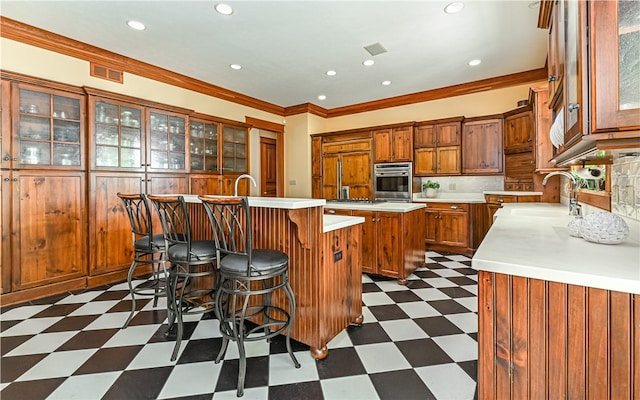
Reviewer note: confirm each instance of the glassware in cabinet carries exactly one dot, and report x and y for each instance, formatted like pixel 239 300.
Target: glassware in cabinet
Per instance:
pixel 203 146
pixel 167 141
pixel 118 135
pixel 234 157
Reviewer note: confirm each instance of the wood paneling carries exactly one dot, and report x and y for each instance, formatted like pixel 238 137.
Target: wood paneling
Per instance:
pixel 547 340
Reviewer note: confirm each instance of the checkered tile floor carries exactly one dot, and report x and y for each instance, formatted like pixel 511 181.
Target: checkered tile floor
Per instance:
pixel 417 342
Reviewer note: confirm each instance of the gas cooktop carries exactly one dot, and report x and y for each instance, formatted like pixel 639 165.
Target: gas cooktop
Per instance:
pixel 360 201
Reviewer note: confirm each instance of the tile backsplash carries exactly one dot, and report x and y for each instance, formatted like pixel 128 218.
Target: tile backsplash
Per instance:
pixel 467 184
pixel 625 186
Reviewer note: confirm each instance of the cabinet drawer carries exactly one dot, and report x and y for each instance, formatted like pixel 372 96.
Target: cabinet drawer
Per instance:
pixel 362 145
pixel 462 207
pixel 492 198
pixel 337 211
pixel 528 199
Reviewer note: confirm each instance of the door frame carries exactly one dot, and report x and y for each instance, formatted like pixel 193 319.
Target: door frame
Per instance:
pixel 278 129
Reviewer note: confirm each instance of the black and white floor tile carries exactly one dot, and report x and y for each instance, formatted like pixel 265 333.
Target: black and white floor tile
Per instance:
pixel 418 341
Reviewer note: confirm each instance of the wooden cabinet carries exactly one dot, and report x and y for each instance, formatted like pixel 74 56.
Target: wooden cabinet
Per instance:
pixel 393 144
pixel 555 55
pixel 495 201
pixel 347 165
pixel 518 171
pixel 576 71
pixel 217 184
pixel 235 149
pixel 482 146
pixel 518 132
pixel 437 147
pixel 447 226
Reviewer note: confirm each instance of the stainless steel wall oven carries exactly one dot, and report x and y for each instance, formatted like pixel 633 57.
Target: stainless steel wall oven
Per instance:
pixel 393 182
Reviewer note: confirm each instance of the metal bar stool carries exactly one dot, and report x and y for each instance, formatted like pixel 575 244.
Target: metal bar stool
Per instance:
pixel 248 279
pixel 192 277
pixel 146 245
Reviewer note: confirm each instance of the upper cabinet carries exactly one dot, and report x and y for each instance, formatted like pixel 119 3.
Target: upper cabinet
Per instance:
pixel 482 146
pixel 615 51
pixel 556 55
pixel 518 133
pixel 48 129
pixel 437 147
pixel 203 145
pixel 234 149
pixel 575 80
pixel 167 141
pixel 393 144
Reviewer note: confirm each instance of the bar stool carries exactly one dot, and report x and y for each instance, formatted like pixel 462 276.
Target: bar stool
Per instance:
pixel 146 245
pixel 192 277
pixel 248 279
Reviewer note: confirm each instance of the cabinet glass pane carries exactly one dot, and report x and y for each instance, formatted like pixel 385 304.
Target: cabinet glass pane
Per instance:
pixel 211 131
pixel 196 129
pixel 106 134
pixel 130 157
pixel 66 131
pixel 176 125
pixel 32 102
pixel 571 51
pixel 35 127
pixel 130 117
pixel 34 152
pixel 130 137
pixel 176 161
pixel 176 143
pixel 66 154
pixel 106 113
pixel 159 141
pixel 159 159
pixel 106 156
pixel 66 108
pixel 629 53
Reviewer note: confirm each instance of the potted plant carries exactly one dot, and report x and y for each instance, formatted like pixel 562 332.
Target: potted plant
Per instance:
pixel 430 188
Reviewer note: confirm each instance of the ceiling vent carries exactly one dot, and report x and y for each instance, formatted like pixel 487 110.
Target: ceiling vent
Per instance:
pixel 375 49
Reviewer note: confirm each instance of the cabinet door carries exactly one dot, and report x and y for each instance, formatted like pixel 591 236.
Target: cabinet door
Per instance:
pixel 424 136
pixel 203 146
pixel 390 243
pixel 402 143
pixel 330 188
pixel 482 147
pixel 117 138
pixel 454 228
pixel 5 126
pixel 431 231
pixel 448 134
pixel 519 166
pixel 234 149
pixel 5 225
pixel 369 240
pixel 167 184
pixel 48 128
pixel 425 161
pixel 49 232
pixel 109 228
pixel 382 145
pixel 316 157
pixel 448 160
pixel 167 141
pixel 615 33
pixel 518 133
pixel 356 174
pixel 556 53
pixel 575 69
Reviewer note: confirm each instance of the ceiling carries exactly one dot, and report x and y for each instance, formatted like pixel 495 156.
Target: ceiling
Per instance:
pixel 286 47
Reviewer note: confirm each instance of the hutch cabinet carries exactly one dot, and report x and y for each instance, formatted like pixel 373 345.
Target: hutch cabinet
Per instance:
pixel 393 144
pixel 437 147
pixel 482 145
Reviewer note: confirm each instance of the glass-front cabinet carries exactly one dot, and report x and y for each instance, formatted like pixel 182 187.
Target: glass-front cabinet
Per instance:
pixel 575 70
pixel 203 146
pixel 234 147
pixel 117 135
pixel 48 128
pixel 167 141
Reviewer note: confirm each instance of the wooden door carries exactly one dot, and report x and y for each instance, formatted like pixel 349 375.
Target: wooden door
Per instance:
pixel 518 133
pixel 390 245
pixel 425 161
pixel 268 167
pixel 454 228
pixel 382 145
pixel 356 174
pixel 49 234
pixel 482 147
pixel 424 136
pixel 330 176
pixel 5 230
pixel 448 160
pixel 167 184
pixel 109 227
pixel 369 240
pixel 431 231
pixel 448 134
pixel 402 143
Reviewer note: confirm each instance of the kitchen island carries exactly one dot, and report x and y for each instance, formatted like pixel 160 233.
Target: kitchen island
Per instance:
pixel 558 317
pixel 324 268
pixel 392 235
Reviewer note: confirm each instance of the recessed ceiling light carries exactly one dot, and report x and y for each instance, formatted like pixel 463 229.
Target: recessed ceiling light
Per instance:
pixel 475 62
pixel 331 72
pixel 137 25
pixel 224 9
pixel 454 7
pixel 368 63
pixel 322 97
pixel 235 66
pixel 386 83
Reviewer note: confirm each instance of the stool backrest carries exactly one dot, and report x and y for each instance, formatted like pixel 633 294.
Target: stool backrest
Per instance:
pixel 139 217
pixel 231 224
pixel 174 218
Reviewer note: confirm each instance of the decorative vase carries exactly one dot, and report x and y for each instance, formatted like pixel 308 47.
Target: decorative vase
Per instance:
pixel 430 192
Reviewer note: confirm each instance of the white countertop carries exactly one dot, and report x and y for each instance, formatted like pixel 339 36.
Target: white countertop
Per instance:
pixel 333 222
pixel 512 193
pixel 385 207
pixel 531 240
pixel 448 197
pixel 270 202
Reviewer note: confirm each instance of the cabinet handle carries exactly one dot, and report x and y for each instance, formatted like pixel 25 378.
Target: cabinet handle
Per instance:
pixel 331 211
pixel 7 158
pixel 6 179
pixel 529 140
pixel 379 219
pixel 573 106
pixel 15 179
pixel 454 207
pixel 500 201
pixel 552 78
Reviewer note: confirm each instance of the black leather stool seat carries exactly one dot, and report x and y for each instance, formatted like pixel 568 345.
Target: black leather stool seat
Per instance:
pixel 200 250
pixel 157 242
pixel 262 260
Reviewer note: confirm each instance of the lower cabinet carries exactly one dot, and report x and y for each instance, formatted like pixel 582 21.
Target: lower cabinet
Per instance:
pixel 495 201
pixel 43 233
pixel 447 227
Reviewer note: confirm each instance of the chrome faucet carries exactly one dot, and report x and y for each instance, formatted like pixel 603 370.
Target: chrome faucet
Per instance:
pixel 235 189
pixel 574 207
